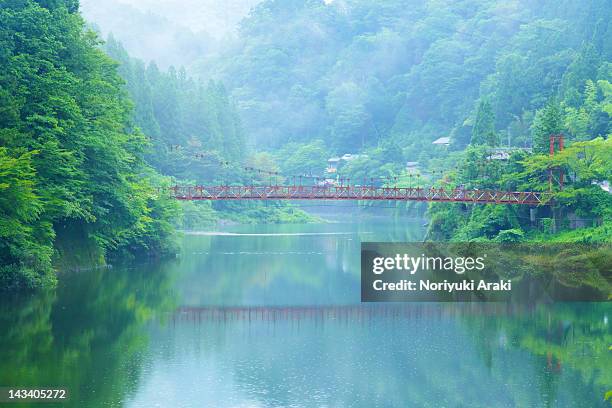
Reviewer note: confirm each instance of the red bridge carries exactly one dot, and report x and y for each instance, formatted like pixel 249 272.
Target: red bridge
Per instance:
pixel 275 192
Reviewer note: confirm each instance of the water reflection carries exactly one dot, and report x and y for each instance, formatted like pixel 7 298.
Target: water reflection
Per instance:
pixel 271 320
pixel 89 336
pixel 476 355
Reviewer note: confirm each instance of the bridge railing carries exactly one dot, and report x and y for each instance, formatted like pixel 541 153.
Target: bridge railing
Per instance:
pixel 276 192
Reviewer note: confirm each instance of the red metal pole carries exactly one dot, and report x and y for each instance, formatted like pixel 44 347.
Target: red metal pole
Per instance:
pixel 552 145
pixel 561 168
pixel 551 154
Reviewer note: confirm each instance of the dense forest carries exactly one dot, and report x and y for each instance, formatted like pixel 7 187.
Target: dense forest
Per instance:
pixel 355 72
pixel 72 163
pixel 88 132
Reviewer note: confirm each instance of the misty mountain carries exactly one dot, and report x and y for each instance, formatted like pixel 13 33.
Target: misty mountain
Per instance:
pixel 356 72
pixel 170 32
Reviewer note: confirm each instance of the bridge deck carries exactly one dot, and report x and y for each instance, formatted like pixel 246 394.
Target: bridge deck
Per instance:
pixel 357 193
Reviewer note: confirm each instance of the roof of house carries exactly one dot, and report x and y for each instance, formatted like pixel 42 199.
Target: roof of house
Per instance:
pixel 349 156
pixel 504 155
pixel 442 141
pixel 604 185
pixel 512 149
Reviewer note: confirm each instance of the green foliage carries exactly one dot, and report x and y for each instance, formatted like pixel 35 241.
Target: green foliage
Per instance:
pixel 586 165
pixel 25 259
pixel 443 221
pixel 270 214
pixel 548 121
pixel 197 215
pixel 193 127
pixel 510 235
pixel 525 97
pixel 309 158
pixel 592 116
pixel 487 221
pixel 70 154
pixel 585 162
pixel 96 347
pixel 483 132
pixel 543 331
pixel 378 166
pixel 196 136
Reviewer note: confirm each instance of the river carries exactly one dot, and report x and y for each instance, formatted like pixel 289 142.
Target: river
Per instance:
pixel 269 316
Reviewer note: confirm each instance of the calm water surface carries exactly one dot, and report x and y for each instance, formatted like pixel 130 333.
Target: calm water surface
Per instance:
pixel 269 316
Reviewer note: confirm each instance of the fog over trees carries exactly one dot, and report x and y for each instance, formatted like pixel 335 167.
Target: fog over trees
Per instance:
pixel 170 32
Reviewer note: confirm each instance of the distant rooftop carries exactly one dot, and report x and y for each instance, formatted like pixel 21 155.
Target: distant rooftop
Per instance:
pixel 511 148
pixel 604 185
pixel 502 155
pixel 442 141
pixel 349 156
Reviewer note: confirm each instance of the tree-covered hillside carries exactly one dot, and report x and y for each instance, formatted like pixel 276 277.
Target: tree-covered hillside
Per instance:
pixel 71 160
pixel 182 117
pixel 356 72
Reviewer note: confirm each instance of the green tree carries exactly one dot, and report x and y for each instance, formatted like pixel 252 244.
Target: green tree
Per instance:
pixel 300 159
pixel 25 256
pixel 548 121
pixel 483 132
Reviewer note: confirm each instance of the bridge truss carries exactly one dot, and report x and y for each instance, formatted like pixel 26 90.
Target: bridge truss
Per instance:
pixel 277 192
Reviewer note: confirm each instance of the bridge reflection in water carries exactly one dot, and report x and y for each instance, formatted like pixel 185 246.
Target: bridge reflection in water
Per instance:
pixel 370 314
pixel 406 311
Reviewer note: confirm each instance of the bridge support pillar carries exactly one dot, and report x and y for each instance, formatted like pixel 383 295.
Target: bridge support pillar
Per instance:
pixel 532 215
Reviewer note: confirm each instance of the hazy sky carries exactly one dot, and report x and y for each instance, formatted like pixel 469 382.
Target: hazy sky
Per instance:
pixel 215 17
pixel 171 32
